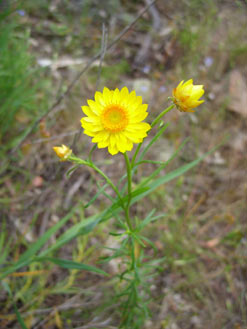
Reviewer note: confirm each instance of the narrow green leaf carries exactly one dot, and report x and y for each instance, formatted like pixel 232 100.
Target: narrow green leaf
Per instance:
pixel 100 191
pixel 115 234
pixel 149 219
pixel 139 191
pixel 150 242
pixel 137 238
pixel 91 153
pixel 71 170
pixel 107 259
pixel 150 161
pixel 71 265
pixel 19 318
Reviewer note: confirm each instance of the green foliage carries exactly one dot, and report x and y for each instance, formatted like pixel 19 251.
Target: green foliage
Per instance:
pixel 19 83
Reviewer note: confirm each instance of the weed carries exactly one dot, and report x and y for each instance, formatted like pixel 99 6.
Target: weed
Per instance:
pixel 18 83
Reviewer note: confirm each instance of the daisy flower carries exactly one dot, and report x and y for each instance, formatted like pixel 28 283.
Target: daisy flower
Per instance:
pixel 114 120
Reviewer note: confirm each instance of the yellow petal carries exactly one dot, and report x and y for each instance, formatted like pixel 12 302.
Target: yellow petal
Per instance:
pixel 94 107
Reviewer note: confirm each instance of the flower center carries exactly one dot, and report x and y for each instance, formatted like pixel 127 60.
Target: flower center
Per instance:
pixel 114 118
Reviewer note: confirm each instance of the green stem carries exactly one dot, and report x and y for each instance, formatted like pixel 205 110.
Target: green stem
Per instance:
pixel 135 155
pixel 108 181
pixel 157 119
pixel 127 217
pixel 74 159
pixel 128 169
pixel 92 165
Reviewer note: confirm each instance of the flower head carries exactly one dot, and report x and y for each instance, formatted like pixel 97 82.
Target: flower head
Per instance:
pixel 186 96
pixel 63 152
pixel 114 119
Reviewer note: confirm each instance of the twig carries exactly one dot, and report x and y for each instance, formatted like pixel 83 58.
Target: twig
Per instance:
pixel 71 85
pixel 155 16
pixel 49 139
pixel 103 51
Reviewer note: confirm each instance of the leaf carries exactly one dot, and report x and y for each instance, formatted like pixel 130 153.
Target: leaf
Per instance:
pixel 150 243
pixel 71 170
pixel 149 219
pixel 101 190
pixel 115 234
pixel 149 161
pixel 71 265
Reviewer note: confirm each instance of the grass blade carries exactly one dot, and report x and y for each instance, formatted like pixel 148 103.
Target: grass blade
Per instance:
pixel 71 265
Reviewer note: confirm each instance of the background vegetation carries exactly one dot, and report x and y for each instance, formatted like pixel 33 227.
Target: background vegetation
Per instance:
pixel 200 281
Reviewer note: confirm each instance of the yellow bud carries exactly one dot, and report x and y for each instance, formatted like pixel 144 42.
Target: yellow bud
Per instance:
pixel 63 152
pixel 186 96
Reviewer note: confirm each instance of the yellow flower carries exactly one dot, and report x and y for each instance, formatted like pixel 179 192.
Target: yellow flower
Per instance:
pixel 186 96
pixel 114 120
pixel 63 152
